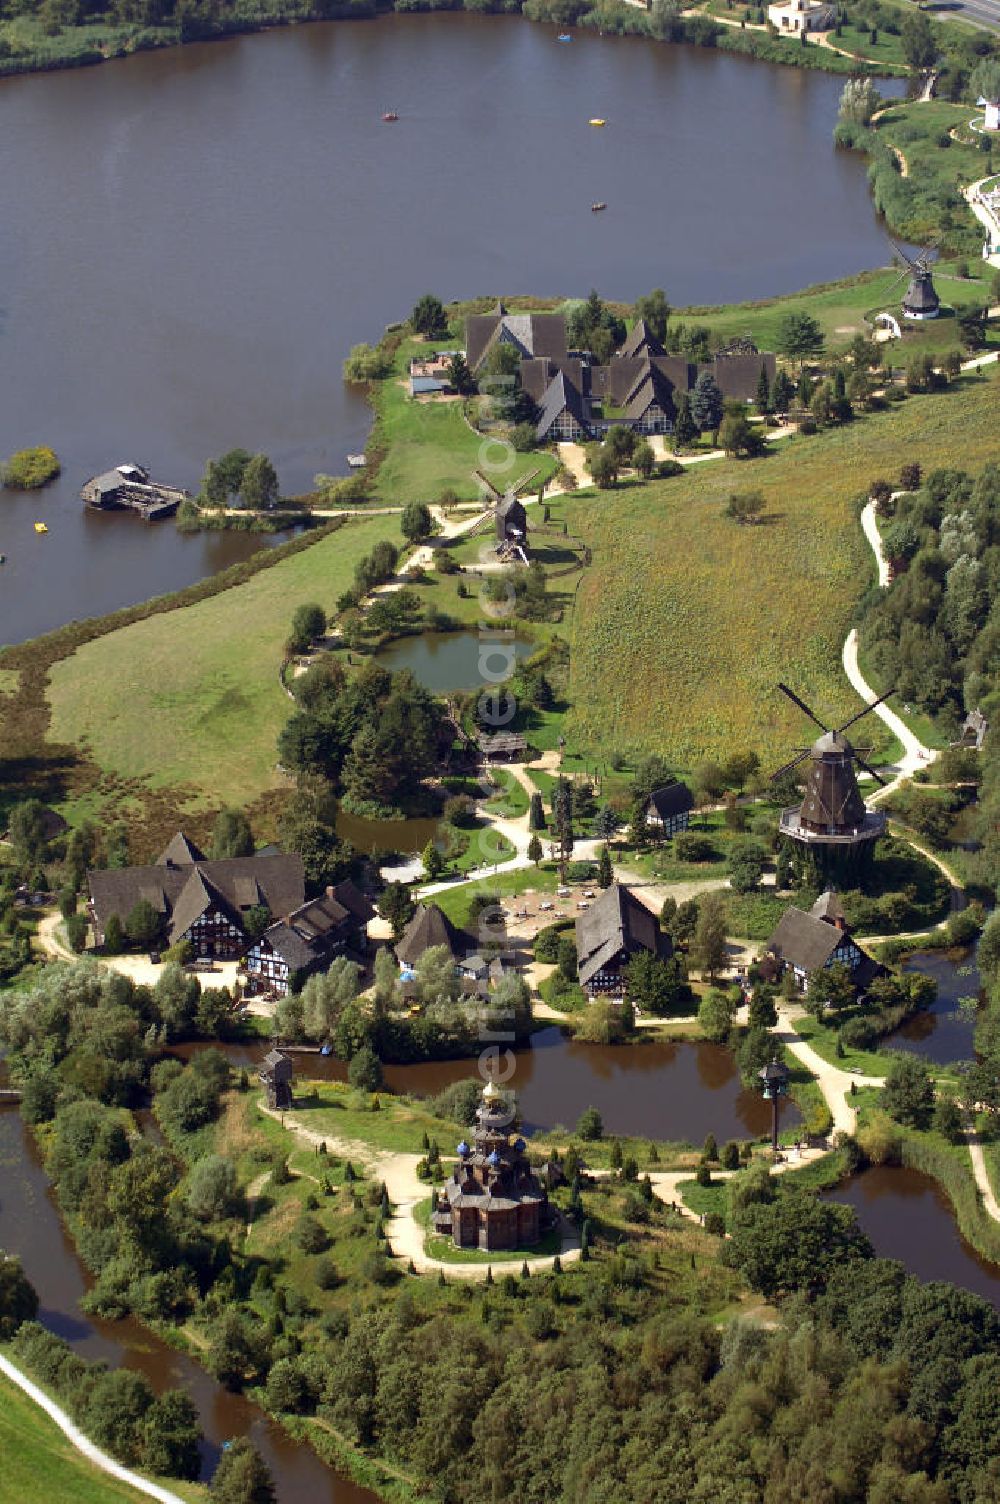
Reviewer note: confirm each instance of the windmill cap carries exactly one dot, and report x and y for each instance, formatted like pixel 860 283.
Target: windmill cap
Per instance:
pixel 831 741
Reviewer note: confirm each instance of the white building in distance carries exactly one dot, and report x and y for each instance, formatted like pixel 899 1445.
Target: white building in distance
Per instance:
pixel 796 16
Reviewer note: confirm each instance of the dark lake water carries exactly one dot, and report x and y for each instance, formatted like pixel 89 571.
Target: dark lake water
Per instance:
pixel 908 1217
pixel 444 661
pixel 945 1031
pixel 194 239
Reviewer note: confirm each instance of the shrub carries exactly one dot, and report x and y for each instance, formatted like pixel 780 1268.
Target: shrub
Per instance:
pixel 28 469
pixel 310 1235
pixel 547 944
pixel 690 846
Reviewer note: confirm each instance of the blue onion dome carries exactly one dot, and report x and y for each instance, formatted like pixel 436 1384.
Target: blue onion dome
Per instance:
pixel 520 1145
pixel 463 1149
pixel 494 1159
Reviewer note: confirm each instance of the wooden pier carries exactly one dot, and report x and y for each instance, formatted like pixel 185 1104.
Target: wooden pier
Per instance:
pixel 129 488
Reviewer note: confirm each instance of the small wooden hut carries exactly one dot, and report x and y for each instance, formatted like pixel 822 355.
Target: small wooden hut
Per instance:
pixel 276 1073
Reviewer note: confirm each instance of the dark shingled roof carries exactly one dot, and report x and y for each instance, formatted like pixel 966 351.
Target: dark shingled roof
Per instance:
pixel 428 927
pixel 831 798
pixel 180 851
pixel 829 907
pixel 358 904
pixel 804 941
pixel 653 390
pixel 561 395
pixel 304 937
pixel 617 381
pixel 534 334
pixel 641 341
pixel 184 890
pixel 672 799
pixel 920 295
pixel 738 375
pixel 276 1063
pixel 616 921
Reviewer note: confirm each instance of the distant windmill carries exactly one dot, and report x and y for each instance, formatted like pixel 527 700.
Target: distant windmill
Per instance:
pixel 832 827
pixel 920 301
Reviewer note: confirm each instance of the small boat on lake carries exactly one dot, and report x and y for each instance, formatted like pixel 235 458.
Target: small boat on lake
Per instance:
pixel 596 120
pixel 41 527
pixel 596 208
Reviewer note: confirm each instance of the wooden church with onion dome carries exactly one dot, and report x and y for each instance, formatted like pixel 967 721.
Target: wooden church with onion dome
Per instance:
pixel 492 1199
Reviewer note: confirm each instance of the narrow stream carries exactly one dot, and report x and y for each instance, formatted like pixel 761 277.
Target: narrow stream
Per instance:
pixel 30 1226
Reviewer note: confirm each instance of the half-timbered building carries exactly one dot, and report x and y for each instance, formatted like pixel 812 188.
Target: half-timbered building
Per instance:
pixel 608 934
pixel 669 809
pixel 208 903
pixel 309 939
pixel 807 942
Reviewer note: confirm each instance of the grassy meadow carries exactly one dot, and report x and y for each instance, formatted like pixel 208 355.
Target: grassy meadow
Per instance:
pixel 192 697
pixel 686 621
pixel 839 309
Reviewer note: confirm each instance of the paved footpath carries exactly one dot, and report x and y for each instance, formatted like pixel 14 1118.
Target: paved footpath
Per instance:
pixel 74 1435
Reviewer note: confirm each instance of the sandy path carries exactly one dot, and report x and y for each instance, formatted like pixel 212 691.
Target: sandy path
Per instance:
pixel 990 1205
pixel 834 1083
pixel 915 754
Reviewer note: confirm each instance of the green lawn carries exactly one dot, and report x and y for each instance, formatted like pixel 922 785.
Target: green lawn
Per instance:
pixel 510 800
pixel 334 1108
pixel 840 307
pixel 455 903
pixel 431 448
pixel 39 1463
pixel 701 618
pixel 191 697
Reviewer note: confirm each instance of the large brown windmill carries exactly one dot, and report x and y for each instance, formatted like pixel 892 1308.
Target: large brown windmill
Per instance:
pixel 831 830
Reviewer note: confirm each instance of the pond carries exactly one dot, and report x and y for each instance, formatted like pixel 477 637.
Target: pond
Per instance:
pixel 908 1217
pixel 202 234
pixel 446 661
pixel 369 837
pixel 665 1091
pixel 944 1032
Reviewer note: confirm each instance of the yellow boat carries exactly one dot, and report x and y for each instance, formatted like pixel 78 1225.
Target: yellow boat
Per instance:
pixel 598 121
pixel 40 527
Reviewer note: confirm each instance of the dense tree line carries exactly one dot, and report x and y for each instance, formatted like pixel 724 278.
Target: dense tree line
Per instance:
pixel 934 635
pixel 371 737
pixel 328 1011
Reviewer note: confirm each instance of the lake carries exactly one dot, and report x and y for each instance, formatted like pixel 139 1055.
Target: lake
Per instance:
pixel 195 238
